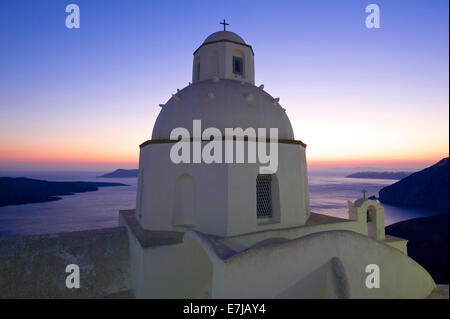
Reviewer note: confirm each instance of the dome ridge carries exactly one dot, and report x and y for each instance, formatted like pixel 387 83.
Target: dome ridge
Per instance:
pixel 224 36
pixel 230 108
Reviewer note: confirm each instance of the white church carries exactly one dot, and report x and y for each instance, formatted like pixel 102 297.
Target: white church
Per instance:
pixel 245 229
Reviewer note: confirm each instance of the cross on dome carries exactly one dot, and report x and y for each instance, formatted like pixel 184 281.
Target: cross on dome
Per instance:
pixel 224 24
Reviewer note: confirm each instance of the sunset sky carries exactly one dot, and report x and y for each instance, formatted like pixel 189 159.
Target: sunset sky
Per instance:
pixel 84 99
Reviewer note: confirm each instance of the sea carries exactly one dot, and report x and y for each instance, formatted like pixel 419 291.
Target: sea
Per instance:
pixel 329 194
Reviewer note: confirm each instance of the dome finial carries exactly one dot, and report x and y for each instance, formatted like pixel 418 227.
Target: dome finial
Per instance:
pixel 224 25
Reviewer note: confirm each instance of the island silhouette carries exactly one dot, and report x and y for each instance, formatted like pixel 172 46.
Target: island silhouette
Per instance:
pixel 380 175
pixel 22 190
pixel 121 173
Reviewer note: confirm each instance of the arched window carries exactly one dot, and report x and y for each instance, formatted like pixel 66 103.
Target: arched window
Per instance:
pixel 238 62
pixel 238 65
pixel 184 202
pixel 372 222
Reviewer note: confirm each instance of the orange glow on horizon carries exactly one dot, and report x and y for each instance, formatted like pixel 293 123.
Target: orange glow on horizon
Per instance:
pixel 122 151
pixel 122 159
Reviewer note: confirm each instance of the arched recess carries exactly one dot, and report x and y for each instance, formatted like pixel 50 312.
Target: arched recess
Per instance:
pixel 212 64
pixel 372 222
pixel 183 214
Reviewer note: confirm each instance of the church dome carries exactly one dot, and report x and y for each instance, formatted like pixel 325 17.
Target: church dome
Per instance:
pixel 222 104
pixel 224 35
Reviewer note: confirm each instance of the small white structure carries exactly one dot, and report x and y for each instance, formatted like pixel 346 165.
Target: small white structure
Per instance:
pixel 226 230
pixel 226 55
pixel 221 199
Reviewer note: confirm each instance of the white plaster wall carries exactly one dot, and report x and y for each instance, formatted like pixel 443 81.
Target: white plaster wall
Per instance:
pixel 293 192
pixel 305 270
pixel 400 245
pixel 258 273
pixel 321 283
pixel 248 240
pixel 160 175
pixel 225 194
pixel 175 271
pixel 136 258
pixel 225 62
pixel 359 213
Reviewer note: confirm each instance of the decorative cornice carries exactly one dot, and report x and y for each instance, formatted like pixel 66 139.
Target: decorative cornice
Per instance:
pixel 224 40
pixel 149 238
pixel 245 139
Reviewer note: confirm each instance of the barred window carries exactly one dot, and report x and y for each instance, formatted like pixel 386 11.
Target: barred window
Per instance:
pixel 264 196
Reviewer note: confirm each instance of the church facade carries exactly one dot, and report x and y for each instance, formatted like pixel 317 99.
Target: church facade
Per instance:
pixel 243 229
pixel 220 198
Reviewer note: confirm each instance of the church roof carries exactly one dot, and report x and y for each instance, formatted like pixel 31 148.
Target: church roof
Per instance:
pixel 222 104
pixel 224 35
pixel 227 36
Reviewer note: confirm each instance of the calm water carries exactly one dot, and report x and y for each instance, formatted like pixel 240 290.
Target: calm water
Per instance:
pixel 81 211
pixel 328 195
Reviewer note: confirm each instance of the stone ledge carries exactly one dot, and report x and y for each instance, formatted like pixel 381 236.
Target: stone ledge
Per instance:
pixel 148 238
pixel 34 266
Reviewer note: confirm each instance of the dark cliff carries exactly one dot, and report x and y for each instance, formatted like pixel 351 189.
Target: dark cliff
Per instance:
pixel 426 189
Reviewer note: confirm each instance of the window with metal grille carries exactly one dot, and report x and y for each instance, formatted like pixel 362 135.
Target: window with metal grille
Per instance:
pixel 264 196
